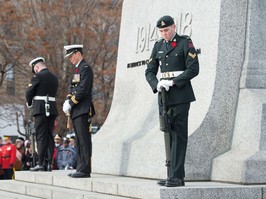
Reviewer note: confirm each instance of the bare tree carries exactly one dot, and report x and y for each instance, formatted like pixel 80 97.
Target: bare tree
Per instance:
pixel 43 27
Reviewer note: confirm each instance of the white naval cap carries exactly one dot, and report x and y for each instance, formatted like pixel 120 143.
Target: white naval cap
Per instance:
pixel 70 49
pixel 35 61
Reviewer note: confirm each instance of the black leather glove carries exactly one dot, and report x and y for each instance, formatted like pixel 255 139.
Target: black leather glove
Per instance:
pixel 11 166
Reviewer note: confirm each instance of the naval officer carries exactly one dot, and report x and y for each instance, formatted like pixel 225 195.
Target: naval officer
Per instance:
pixel 40 96
pixel 78 105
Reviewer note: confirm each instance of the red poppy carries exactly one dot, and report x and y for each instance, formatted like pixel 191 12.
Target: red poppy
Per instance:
pixel 77 70
pixel 190 44
pixel 173 44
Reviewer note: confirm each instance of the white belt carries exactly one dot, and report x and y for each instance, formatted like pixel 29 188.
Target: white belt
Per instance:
pixel 51 99
pixel 171 74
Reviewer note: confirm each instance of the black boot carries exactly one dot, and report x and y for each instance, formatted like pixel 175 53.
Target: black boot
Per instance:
pixel 49 167
pixel 174 182
pixel 37 168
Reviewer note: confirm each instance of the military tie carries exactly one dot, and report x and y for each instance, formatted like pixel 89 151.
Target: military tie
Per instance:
pixel 167 45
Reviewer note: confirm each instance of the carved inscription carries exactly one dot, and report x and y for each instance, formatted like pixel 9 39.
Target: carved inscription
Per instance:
pixel 147 35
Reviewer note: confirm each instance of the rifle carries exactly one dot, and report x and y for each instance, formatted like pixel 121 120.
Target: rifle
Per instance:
pixel 31 131
pixel 32 138
pixel 165 126
pixel 68 126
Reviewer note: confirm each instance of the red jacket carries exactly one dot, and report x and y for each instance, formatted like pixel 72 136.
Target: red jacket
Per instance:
pixel 7 156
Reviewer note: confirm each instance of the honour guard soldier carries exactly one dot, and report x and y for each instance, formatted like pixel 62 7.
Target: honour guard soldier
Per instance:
pixel 78 105
pixel 40 96
pixel 8 158
pixel 177 59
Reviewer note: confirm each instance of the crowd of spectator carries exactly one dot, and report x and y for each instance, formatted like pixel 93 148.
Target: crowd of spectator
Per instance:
pixel 64 154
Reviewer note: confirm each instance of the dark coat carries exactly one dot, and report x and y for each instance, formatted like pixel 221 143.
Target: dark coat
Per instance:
pixel 42 84
pixel 66 157
pixel 80 91
pixel 180 56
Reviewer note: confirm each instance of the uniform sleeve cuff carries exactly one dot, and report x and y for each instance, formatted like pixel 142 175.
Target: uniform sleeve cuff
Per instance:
pixel 73 99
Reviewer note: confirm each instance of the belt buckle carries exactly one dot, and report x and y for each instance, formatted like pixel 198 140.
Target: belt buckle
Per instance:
pixel 167 74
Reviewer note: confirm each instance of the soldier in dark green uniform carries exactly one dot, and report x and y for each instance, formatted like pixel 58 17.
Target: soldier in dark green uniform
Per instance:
pixel 177 59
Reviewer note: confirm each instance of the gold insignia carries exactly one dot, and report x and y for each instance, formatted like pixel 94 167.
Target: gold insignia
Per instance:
pixel 69 95
pixel 192 55
pixel 73 98
pixel 162 23
pixel 29 85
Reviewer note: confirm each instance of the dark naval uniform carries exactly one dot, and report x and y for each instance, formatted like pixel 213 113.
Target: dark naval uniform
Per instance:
pixel 178 62
pixel 43 84
pixel 80 99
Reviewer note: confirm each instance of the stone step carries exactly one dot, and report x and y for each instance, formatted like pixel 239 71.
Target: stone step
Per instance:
pixel 107 184
pixel 10 195
pixel 27 190
pixel 131 187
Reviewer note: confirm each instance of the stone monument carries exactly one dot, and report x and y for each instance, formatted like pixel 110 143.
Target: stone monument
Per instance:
pixel 226 123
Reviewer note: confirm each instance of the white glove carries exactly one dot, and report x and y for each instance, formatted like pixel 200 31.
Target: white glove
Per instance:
pixel 159 86
pixel 164 83
pixel 28 105
pixel 168 83
pixel 66 107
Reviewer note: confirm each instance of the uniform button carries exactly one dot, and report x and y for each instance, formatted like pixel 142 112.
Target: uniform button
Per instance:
pixel 166 55
pixel 166 64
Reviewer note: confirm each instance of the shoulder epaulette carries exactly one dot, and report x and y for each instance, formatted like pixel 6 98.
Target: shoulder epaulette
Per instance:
pixel 185 36
pixel 159 40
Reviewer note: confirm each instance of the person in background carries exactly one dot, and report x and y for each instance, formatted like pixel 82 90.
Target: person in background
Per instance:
pixel 177 60
pixel 28 156
pixel 22 141
pixel 57 141
pixel 8 158
pixel 58 145
pixel 66 156
pixel 72 141
pixel 1 170
pixel 19 154
pixel 1 141
pixel 40 96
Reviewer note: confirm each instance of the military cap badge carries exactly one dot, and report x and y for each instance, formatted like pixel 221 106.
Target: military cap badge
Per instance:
pixel 165 21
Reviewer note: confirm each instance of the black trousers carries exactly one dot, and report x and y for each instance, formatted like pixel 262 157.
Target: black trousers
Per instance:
pixel 178 138
pixel 83 143
pixel 8 174
pixel 44 138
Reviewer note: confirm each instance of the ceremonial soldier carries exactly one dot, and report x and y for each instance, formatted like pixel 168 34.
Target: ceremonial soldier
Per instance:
pixel 7 158
pixel 78 105
pixel 40 96
pixel 177 59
